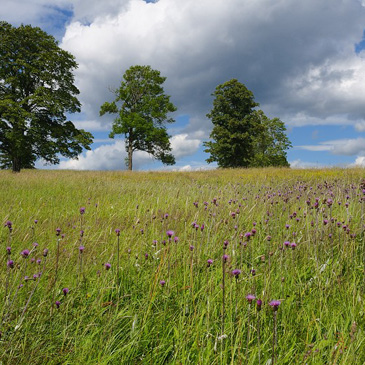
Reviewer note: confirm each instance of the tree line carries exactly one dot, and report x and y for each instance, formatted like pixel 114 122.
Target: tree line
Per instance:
pixel 38 92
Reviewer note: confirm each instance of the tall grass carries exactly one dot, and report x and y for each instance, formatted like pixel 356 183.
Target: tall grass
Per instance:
pixel 145 296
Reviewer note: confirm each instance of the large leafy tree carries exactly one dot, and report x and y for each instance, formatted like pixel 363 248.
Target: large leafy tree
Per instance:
pixel 243 136
pixel 142 114
pixel 36 92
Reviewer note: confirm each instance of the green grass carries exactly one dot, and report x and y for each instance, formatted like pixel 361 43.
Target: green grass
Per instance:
pixel 127 316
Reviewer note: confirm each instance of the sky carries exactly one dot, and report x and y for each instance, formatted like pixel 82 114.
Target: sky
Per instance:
pixel 304 61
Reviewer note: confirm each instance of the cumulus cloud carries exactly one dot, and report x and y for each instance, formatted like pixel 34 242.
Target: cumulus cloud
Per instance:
pixel 296 58
pixel 112 156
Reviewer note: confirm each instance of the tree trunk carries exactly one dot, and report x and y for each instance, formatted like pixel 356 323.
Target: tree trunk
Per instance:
pixel 16 164
pixel 130 153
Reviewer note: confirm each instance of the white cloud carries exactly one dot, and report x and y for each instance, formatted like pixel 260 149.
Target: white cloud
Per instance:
pixel 360 161
pixel 112 156
pixel 299 164
pixel 347 147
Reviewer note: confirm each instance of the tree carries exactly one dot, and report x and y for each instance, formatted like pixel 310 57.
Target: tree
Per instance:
pixel 241 135
pixel 142 114
pixel 36 91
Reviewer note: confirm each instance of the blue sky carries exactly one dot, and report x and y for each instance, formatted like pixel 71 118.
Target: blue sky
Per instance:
pixel 304 62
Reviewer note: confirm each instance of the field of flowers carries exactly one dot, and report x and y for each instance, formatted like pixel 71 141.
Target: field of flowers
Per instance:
pixel 256 266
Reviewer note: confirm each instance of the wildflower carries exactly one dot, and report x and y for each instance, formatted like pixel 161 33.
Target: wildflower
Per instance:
pixel 236 273
pixel 9 224
pixel 82 210
pixel 191 248
pixel 65 291
pixel 225 258
pixel 162 282
pixel 259 304
pixel 35 244
pixel 107 266
pixel 275 304
pixel 170 233
pixel 286 243
pixel 146 256
pixel 210 262
pixel 58 303
pixel 39 261
pixel 176 239
pixel 81 233
pixel 293 245
pixel 10 264
pixel 58 231
pixel 250 298
pixel 8 250
pixel 81 249
pixel 117 231
pixel 225 244
pixel 25 253
pixel 45 252
pixel 35 221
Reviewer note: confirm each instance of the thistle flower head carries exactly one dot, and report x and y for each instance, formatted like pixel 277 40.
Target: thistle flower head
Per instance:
pixel 259 304
pixel 65 291
pixel 81 249
pixel 170 233
pixel 107 266
pixel 209 262
pixel 250 298
pixel 225 258
pixel 10 264
pixel 25 253
pixel 275 304
pixel 82 210
pixel 117 231
pixel 8 250
pixel 58 303
pixel 236 273
pixel 45 252
pixel 191 248
pixel 162 282
pixel 58 231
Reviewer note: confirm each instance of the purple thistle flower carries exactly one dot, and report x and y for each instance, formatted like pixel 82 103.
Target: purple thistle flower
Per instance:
pixel 236 273
pixel 8 250
pixel 202 227
pixel 248 235
pixel 146 256
pixel 275 304
pixel 117 231
pixel 9 224
pixel 25 253
pixel 58 303
pixel 250 298
pixel 35 244
pixel 35 276
pixel 58 231
pixel 162 282
pixel 35 221
pixel 170 233
pixel 225 258
pixel 81 233
pixel 210 262
pixel 45 252
pixel 65 291
pixel 39 261
pixel 259 304
pixel 176 239
pixel 225 244
pixel 293 245
pixel 81 249
pixel 253 231
pixel 286 243
pixel 10 264
pixel 107 266
pixel 82 210
pixel 191 248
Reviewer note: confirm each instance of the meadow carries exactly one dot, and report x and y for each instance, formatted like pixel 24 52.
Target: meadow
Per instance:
pixel 254 266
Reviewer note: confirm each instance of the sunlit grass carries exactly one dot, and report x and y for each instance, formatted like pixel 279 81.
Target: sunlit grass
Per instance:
pixel 128 316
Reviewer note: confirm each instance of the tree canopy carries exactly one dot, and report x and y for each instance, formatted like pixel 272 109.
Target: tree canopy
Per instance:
pixel 243 136
pixel 36 92
pixel 142 114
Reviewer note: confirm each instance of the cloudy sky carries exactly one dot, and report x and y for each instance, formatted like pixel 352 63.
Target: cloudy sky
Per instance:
pixel 303 60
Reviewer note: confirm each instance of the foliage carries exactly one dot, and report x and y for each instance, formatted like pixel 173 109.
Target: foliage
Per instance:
pixel 36 91
pixel 142 114
pixel 243 136
pixel 103 319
